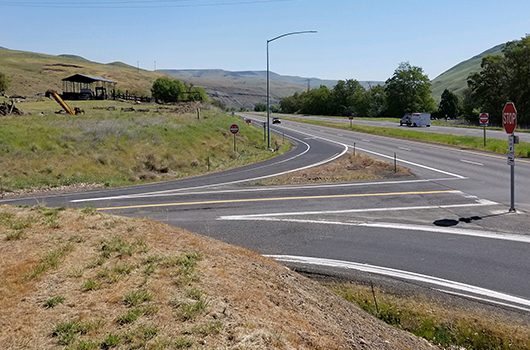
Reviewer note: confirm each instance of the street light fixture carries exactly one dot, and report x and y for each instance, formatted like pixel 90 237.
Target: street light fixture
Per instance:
pixel 268 94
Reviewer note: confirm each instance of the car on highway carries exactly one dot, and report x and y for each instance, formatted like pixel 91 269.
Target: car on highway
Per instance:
pixel 276 120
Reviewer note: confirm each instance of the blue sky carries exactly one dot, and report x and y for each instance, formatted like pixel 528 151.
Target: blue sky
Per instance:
pixel 359 39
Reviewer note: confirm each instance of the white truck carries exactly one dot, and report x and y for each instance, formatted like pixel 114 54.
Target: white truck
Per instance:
pixel 416 119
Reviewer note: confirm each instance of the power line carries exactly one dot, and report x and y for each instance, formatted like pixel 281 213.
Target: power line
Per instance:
pixel 121 4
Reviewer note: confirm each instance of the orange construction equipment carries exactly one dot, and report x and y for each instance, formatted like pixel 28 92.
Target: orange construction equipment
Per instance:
pixel 60 101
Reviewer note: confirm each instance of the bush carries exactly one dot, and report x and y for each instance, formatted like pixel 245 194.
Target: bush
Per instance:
pixel 172 90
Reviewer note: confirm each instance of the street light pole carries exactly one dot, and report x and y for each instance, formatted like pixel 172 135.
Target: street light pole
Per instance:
pixel 268 84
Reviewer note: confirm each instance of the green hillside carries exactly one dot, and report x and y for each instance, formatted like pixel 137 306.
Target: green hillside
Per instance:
pixel 455 79
pixel 34 73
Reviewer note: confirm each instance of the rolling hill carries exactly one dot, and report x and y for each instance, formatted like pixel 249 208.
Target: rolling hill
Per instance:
pixel 455 79
pixel 31 74
pixel 34 73
pixel 246 88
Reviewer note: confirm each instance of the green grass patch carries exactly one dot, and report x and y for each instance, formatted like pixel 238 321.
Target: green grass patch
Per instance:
pixel 137 297
pixel 84 345
pixel 186 265
pixel 50 261
pixel 134 313
pixel 15 226
pixel 468 142
pixel 189 311
pixel 53 301
pixel 130 316
pixel 115 148
pixel 89 211
pixel 90 285
pixel 440 324
pixel 182 342
pixel 121 248
pixel 67 332
pixel 110 341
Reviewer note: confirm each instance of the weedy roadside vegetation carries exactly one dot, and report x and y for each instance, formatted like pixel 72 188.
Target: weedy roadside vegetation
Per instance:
pixel 444 325
pixel 112 148
pixel 349 167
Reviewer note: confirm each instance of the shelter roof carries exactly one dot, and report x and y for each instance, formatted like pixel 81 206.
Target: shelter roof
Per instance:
pixel 82 78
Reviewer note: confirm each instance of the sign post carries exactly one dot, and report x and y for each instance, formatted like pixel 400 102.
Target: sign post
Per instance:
pixel 351 118
pixel 234 129
pixel 509 122
pixel 484 119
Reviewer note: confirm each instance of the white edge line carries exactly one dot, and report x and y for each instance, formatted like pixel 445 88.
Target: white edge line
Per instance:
pixel 406 227
pixel 482 202
pixel 412 163
pixel 406 275
pixel 481 299
pixel 332 158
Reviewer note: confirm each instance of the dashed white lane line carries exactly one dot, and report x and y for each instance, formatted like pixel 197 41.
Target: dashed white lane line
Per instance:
pixel 483 293
pixel 471 162
pixel 404 149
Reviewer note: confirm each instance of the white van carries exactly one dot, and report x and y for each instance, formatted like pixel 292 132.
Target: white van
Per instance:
pixel 416 119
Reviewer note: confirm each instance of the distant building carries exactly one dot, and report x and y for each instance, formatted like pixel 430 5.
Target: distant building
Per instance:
pixel 86 87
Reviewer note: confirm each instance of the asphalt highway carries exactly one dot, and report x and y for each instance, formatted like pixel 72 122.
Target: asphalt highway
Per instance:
pixel 478 132
pixel 446 227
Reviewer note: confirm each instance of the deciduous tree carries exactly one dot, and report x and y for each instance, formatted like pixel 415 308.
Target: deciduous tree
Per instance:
pixel 408 91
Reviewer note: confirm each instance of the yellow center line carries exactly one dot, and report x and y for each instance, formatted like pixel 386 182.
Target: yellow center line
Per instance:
pixel 248 200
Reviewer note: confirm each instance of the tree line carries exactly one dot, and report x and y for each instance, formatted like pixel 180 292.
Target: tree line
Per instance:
pixel 407 91
pixel 502 78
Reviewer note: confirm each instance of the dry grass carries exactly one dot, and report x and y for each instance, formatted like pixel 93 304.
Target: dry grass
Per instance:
pixel 347 168
pixel 163 288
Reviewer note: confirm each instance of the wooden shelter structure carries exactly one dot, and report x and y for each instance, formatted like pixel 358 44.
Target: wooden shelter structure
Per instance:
pixel 86 87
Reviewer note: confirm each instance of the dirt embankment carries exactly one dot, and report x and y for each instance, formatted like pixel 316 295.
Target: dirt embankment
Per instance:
pixel 80 279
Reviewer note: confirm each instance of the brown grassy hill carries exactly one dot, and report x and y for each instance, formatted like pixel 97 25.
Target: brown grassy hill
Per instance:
pixel 84 280
pixel 34 73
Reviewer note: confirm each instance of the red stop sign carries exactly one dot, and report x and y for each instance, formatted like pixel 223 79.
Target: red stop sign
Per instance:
pixel 484 118
pixel 509 117
pixel 234 129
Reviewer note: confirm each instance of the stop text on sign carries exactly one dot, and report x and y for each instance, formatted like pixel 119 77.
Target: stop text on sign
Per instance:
pixel 509 118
